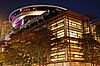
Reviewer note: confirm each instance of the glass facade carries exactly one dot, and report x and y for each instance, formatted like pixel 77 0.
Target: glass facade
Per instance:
pixel 66 27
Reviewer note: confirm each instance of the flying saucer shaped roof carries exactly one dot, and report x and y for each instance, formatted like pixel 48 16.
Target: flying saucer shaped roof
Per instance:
pixel 34 10
pixel 44 7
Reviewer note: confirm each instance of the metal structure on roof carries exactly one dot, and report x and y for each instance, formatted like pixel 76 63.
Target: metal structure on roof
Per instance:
pixel 21 16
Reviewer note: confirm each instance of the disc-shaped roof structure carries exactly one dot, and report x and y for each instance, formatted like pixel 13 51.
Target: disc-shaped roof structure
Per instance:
pixel 25 14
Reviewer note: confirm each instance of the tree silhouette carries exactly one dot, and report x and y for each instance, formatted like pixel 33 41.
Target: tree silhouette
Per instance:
pixel 29 47
pixel 90 49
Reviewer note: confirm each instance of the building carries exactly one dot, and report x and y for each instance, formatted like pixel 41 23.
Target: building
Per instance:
pixel 6 28
pixel 66 25
pixel 0 26
pixel 68 29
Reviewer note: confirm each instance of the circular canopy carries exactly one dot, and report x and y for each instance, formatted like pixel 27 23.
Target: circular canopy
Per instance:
pixel 25 14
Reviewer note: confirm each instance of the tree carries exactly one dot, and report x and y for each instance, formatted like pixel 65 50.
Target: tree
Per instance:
pixel 29 47
pixel 98 30
pixel 42 45
pixel 90 49
pixel 1 59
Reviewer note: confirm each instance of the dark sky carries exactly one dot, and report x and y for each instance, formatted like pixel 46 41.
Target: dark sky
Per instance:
pixel 79 6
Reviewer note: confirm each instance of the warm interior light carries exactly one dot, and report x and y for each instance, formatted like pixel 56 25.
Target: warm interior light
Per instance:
pixel 57 53
pixel 57 59
pixel 77 56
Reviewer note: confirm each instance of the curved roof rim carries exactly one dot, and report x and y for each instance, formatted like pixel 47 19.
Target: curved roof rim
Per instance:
pixel 37 6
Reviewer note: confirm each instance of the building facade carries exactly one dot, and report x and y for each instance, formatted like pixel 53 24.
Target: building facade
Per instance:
pixel 6 28
pixel 66 25
pixel 67 29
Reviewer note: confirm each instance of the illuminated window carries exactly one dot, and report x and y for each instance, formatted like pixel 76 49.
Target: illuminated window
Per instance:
pixel 57 59
pixel 72 41
pixel 53 38
pixel 77 56
pixel 73 33
pixel 75 24
pixel 76 47
pixel 60 33
pixel 57 25
pixel 58 56
pixel 70 23
pixel 77 53
pixel 53 43
pixel 53 48
pixel 87 30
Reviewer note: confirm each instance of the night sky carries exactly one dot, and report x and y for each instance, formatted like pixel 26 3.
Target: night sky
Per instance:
pixel 79 6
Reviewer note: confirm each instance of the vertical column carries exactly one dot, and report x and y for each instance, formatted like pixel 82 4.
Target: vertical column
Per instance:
pixel 65 41
pixel 66 29
pixel 69 42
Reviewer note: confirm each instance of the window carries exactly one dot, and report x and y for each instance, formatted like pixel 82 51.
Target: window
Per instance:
pixel 73 33
pixel 75 24
pixel 57 25
pixel 87 30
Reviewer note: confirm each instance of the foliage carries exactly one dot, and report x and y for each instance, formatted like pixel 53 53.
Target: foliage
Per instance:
pixel 90 49
pixel 1 59
pixel 28 47
pixel 98 30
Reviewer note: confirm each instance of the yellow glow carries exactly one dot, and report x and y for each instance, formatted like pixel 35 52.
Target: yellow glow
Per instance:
pixel 53 48
pixel 61 53
pixel 70 23
pixel 77 22
pixel 77 58
pixel 57 53
pixel 75 47
pixel 76 53
pixel 87 30
pixel 53 38
pixel 60 31
pixel 57 27
pixel 60 21
pixel 57 22
pixel 73 24
pixel 57 59
pixel 60 36
pixel 54 33
pixel 2 49
pixel 77 50
pixel 72 41
pixel 75 34
pixel 53 43
pixel 75 31
pixel 53 54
